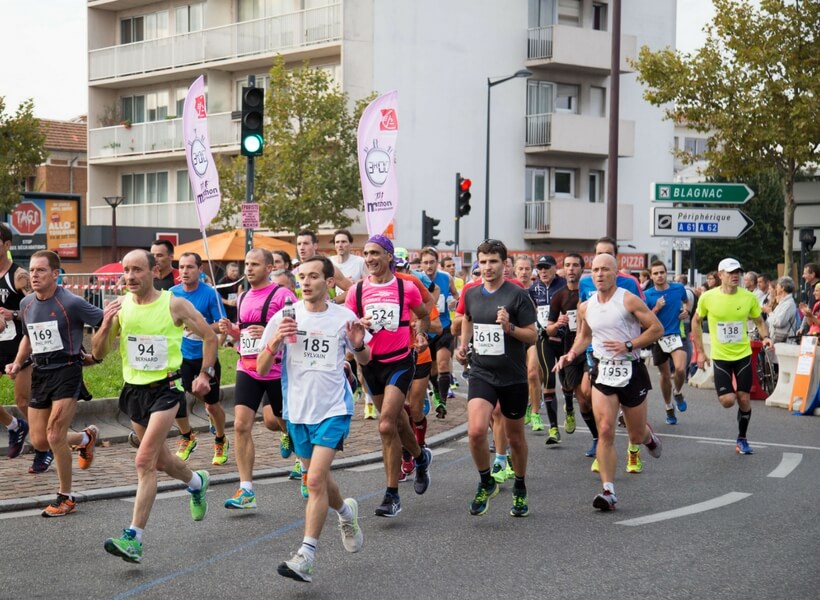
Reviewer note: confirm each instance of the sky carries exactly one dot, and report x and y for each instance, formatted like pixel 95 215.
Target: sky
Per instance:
pixel 43 45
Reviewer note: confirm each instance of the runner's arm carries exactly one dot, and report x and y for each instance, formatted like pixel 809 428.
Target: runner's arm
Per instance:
pixel 108 331
pixel 184 313
pixel 652 328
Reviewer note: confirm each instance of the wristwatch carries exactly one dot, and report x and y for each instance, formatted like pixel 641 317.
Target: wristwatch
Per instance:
pixel 629 346
pixel 209 371
pixel 15 315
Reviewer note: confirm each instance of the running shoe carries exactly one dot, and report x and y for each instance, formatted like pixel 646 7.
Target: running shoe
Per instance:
pixel 681 402
pixel 211 426
pixel 554 436
pixel 86 456
pixel 185 446
pixel 743 446
pixel 241 499
pixel 296 473
pixel 285 445
pixel 451 394
pixel 593 449
pixel 352 536
pixel 510 470
pixel 441 410
pixel 304 488
pixel 422 481
pixel 62 506
pixel 654 446
pixel 299 567
pixel 569 423
pixel 499 472
pixel 408 465
pixel 519 507
pixel 465 374
pixel 633 462
pixel 133 439
pixel 403 477
pixel 127 547
pixel 536 423
pixel 481 502
pixel 621 421
pixel 671 419
pixel 370 411
pixel 605 501
pixel 42 461
pixel 595 468
pixel 221 452
pixel 198 502
pixel 390 506
pixel 528 415
pixel 426 408
pixel 17 439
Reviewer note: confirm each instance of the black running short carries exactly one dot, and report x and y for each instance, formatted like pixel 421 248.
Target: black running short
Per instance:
pixel 444 340
pixel 190 370
pixel 513 399
pixel 55 384
pixel 139 402
pixel 741 369
pixel 399 373
pixel 660 357
pixel 423 370
pixel 252 392
pixel 573 373
pixel 633 393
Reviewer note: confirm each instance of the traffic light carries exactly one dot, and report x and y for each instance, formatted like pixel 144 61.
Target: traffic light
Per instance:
pixel 464 196
pixel 252 139
pixel 429 231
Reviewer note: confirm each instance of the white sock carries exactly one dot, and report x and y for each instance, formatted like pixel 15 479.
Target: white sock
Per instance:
pixel 609 487
pixel 345 513
pixel 196 482
pixel 246 485
pixel 85 440
pixel 669 405
pixel 308 548
pixel 13 425
pixel 137 532
pixel 678 392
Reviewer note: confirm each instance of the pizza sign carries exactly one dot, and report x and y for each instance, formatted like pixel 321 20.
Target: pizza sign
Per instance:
pixel 26 218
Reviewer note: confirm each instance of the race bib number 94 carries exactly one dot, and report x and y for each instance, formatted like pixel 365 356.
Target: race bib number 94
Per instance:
pixel 730 332
pixel 614 373
pixel 147 352
pixel 488 339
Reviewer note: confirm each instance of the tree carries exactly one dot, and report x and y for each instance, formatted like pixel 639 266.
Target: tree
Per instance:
pixel 21 150
pixel 753 87
pixel 309 172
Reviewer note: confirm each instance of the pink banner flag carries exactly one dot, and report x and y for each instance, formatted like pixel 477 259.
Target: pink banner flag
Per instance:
pixel 378 130
pixel 201 167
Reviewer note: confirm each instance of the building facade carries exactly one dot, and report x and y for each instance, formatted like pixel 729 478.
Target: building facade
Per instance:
pixel 549 132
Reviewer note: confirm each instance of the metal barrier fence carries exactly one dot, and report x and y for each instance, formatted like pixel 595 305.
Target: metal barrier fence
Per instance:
pixel 94 287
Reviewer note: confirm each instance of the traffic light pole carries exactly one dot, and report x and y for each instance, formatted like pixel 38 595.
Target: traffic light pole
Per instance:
pixel 249 180
pixel 458 218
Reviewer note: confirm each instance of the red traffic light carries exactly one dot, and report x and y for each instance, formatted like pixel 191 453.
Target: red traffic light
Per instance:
pixel 465 185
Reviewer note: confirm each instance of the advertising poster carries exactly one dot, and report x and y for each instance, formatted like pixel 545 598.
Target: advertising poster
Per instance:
pixel 46 222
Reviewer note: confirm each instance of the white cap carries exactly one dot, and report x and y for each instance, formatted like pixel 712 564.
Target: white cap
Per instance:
pixel 729 265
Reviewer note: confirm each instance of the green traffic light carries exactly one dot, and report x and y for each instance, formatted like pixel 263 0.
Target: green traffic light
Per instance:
pixel 252 144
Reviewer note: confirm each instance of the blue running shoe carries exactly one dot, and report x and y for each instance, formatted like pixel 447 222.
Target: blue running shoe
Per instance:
pixel 42 461
pixel 593 449
pixel 390 506
pixel 426 408
pixel 743 446
pixel 671 419
pixel 17 438
pixel 285 445
pixel 681 402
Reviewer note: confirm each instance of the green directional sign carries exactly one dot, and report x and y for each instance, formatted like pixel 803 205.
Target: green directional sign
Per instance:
pixel 702 193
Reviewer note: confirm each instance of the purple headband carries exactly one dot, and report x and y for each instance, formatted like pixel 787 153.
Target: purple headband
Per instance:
pixel 385 243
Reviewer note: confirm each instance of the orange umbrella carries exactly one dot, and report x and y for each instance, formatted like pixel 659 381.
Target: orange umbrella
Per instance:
pixel 230 245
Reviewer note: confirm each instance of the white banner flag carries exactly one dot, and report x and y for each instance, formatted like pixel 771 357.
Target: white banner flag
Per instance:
pixel 202 171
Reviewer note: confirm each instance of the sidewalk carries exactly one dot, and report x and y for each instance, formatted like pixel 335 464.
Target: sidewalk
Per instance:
pixel 112 474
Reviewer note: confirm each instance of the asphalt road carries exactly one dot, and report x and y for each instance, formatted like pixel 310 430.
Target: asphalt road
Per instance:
pixel 747 527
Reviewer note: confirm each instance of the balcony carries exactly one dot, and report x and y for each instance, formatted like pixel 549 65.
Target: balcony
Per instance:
pixel 156 137
pixel 576 134
pixel 167 214
pixel 572 219
pixel 574 48
pixel 228 43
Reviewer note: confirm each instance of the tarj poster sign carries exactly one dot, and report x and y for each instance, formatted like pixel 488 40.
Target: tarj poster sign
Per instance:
pixel 377 135
pixel 46 222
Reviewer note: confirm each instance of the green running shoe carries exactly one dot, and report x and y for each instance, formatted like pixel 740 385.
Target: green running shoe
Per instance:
pixel 241 499
pixel 127 547
pixel 185 446
pixel 199 504
pixel 285 445
pixel 554 436
pixel 569 423
pixel 519 507
pixel 481 502
pixel 528 415
pixel 633 462
pixel 510 469
pixel 499 473
pixel 536 423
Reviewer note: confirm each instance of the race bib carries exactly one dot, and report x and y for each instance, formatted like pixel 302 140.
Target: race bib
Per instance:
pixel 187 333
pixel 9 332
pixel 441 304
pixel 488 340
pixel 543 315
pixel 232 296
pixel 249 346
pixel 572 315
pixel 315 351
pixel 730 332
pixel 614 373
pixel 147 352
pixel 669 343
pixel 44 337
pixel 383 315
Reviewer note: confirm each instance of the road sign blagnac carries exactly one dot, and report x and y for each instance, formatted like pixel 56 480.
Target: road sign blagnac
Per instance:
pixel 717 223
pixel 702 193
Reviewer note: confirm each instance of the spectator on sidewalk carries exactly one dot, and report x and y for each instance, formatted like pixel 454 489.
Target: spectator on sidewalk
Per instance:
pixel 782 319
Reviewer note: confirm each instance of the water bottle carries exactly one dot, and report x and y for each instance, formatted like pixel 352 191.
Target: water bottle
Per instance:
pixel 289 311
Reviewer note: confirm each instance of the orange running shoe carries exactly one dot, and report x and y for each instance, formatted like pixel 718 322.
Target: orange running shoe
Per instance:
pixel 62 506
pixel 87 452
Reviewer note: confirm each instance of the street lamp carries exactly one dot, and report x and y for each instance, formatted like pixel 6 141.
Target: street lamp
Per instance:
pixel 490 84
pixel 113 202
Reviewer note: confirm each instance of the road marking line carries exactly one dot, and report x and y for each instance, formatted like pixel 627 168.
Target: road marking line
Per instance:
pixel 21 513
pixel 787 464
pixel 730 443
pixel 365 468
pixel 754 442
pixel 685 511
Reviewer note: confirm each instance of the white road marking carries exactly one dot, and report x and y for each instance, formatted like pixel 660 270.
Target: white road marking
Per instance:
pixel 787 464
pixel 18 514
pixel 685 511
pixel 178 493
pixel 727 443
pixel 754 442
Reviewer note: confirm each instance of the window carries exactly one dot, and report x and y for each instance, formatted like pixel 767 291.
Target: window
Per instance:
pixel 184 193
pixel 599 16
pixel 597 101
pixel 539 97
pixel 694 146
pixel 569 12
pixel 563 183
pixel 144 27
pixel 142 188
pixel 149 107
pixel 535 187
pixel 188 18
pixel 596 186
pixel 566 98
pixel 132 30
pixel 541 13
pixel 182 92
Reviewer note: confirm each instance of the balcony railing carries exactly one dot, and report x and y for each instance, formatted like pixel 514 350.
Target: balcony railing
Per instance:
pixel 537 217
pixel 539 129
pixel 260 36
pixel 539 42
pixel 157 136
pixel 167 214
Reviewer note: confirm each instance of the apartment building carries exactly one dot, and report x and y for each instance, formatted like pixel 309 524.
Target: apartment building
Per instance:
pixel 548 156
